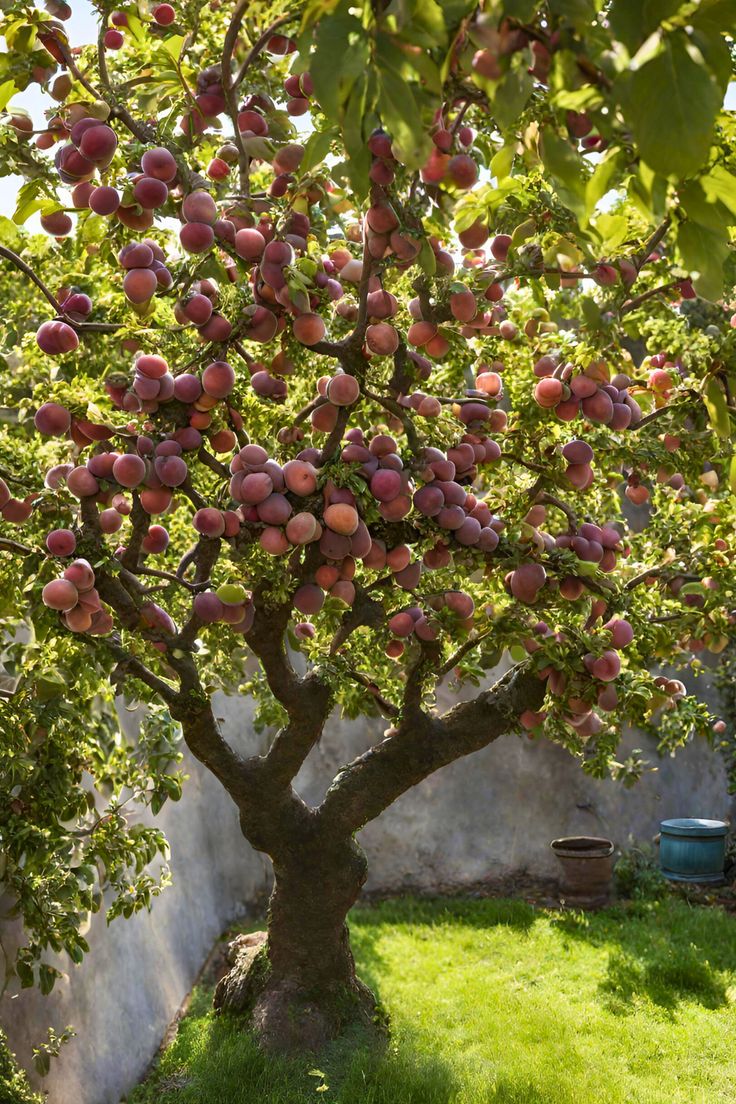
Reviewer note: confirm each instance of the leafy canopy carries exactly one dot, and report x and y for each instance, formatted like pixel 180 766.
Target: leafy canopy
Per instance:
pixel 467 272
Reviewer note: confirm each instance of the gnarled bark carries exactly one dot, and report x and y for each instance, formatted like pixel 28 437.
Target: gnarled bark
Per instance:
pixel 297 985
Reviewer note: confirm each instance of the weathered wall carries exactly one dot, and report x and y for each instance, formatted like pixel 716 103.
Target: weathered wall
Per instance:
pixel 489 815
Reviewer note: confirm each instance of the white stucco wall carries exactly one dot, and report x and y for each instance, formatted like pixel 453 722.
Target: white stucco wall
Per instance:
pixel 491 814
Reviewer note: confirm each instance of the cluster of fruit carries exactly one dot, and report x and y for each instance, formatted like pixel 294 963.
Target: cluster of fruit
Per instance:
pixel 74 594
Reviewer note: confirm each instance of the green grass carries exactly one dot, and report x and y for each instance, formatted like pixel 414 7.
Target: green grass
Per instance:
pixel 494 1002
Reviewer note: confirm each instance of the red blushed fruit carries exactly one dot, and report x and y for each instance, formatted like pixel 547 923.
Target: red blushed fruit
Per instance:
pixel 104 200
pixel 197 237
pixel 139 284
pixel 164 14
pixel 218 379
pixel 218 169
pixel 113 39
pixel 58 223
pixel 56 338
pixel 150 192
pixel 249 244
pixel 52 420
pixel 463 171
pixel 199 207
pixel 309 329
pixel 159 163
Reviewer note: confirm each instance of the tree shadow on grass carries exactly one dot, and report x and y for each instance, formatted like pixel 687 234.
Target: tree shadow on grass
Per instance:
pixel 214 1060
pixel 665 952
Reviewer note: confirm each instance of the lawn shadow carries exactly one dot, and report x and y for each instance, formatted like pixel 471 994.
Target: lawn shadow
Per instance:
pixel 663 951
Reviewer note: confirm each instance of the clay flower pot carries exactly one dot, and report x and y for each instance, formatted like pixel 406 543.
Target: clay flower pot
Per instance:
pixel 587 869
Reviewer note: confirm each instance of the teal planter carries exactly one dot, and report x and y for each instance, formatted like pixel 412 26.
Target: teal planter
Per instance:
pixel 692 850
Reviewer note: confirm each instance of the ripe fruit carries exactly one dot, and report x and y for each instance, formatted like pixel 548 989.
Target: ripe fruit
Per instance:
pixel 56 338
pixel 159 163
pixel 60 594
pixel 129 470
pixel 113 39
pixel 218 379
pixel 343 390
pixel 164 14
pixel 199 207
pixel 196 237
pixel 309 329
pixel 52 420
pixel 209 522
pixel 60 542
pixel 526 581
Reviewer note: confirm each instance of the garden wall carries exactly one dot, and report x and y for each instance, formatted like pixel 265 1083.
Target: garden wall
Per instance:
pixel 483 818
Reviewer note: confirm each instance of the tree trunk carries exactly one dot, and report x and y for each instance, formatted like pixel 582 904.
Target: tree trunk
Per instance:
pixel 297 982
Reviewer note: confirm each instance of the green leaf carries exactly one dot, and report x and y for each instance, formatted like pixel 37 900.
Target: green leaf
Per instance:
pixel 339 45
pixel 172 45
pixel 317 147
pixel 719 184
pixel 612 231
pixel 502 161
pixel 715 404
pixel 565 165
pixel 632 21
pixel 9 235
pixel 402 118
pixel 359 156
pixel 426 259
pixel 600 182
pixel 703 252
pixel 671 104
pixel 523 10
pixel 732 474
pixel 8 89
pixel 509 95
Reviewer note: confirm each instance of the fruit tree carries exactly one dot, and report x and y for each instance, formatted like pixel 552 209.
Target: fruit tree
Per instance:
pixel 361 346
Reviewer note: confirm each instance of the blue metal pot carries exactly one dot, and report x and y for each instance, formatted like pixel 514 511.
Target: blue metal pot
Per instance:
pixel 692 850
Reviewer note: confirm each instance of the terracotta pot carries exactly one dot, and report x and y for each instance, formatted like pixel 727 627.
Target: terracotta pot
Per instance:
pixel 587 869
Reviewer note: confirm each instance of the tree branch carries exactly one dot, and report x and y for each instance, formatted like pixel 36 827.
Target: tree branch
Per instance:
pixel 423 744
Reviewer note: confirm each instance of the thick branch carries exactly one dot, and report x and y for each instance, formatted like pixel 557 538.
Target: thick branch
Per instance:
pixel 417 748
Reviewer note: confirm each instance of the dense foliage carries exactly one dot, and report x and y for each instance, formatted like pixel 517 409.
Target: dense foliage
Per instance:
pixel 397 332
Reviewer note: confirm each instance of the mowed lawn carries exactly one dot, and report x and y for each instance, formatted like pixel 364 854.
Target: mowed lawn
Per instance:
pixel 496 1002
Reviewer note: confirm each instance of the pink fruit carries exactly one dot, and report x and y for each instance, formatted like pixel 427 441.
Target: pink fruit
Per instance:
pixel 526 581
pixel 82 483
pixel 549 391
pixel 621 632
pixel 343 390
pixel 606 667
pixel 52 419
pixel 300 477
pixel 249 244
pixel 139 284
pixel 156 540
pixel 303 528
pixel 199 207
pixel 129 470
pixel 209 522
pixel 56 338
pixel 81 574
pixel 60 594
pixel 208 607
pixel 197 237
pixel 159 163
pixel 309 329
pixel 60 542
pixel 218 379
pixel 309 598
pixel 164 14
pixel 342 518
